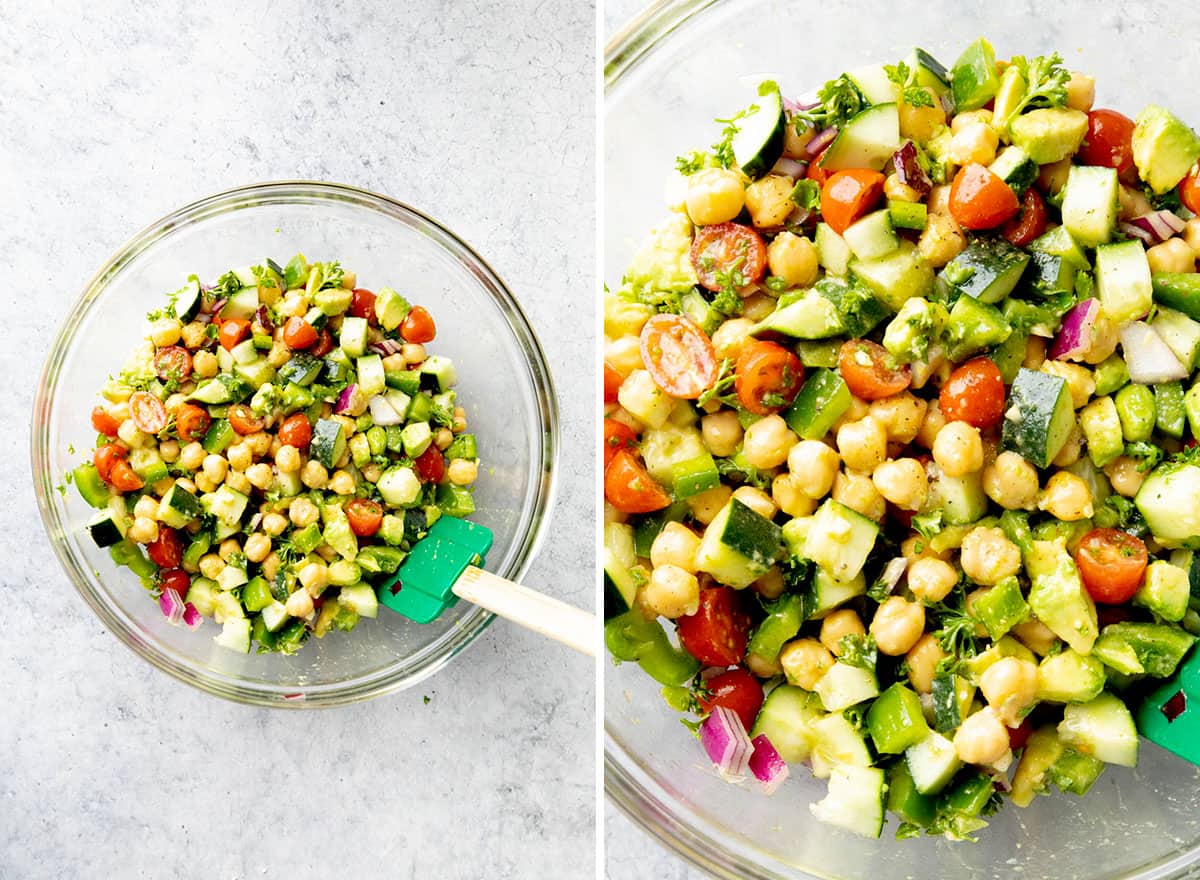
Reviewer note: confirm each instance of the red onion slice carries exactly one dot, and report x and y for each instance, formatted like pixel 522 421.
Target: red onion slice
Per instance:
pixel 792 168
pixel 820 141
pixel 909 170
pixel 725 740
pixel 766 765
pixel 172 606
pixel 799 106
pixel 1159 225
pixel 1075 335
pixel 191 617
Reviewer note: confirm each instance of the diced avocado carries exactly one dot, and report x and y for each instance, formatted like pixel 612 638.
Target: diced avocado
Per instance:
pixel 786 718
pixel 821 402
pixel 844 686
pixel 1180 333
pixel 1042 751
pixel 908 215
pixel 973 327
pixel 1164 148
pixel 338 534
pixel 739 546
pixel 812 316
pixel 1057 596
pixel 918 324
pixel 391 529
pixel 1102 728
pixel 1070 677
pixel 1008 97
pixel 416 436
pixel 663 263
pixel 399 487
pixel 1123 280
pixel 840 540
pixel 390 308
pixel 1101 426
pixel 1143 648
pixel 1165 590
pixel 1001 608
pixel 1039 418
pixel 974 667
pixel 1090 204
pixel 1169 500
pixel 897 277
pixel 1050 134
pixel 333 300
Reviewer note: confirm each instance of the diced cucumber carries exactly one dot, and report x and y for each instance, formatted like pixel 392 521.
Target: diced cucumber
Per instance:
pixel 328 442
pixel 440 370
pixel 855 800
pixel 178 507
pixel 1040 417
pixel 225 504
pixel 1180 333
pixel 242 304
pixel 1170 414
pixel 739 546
pixel 148 464
pixel 837 742
pixel 822 400
pixel 353 336
pixel 1058 242
pixel 951 696
pixel 1048 273
pixel 1102 728
pixel 812 316
pixel 833 252
pixel 844 686
pixel 858 308
pixel 840 540
pixel 694 476
pixel 361 599
pixel 929 72
pixel 897 277
pixel 371 378
pixel 828 592
pixel 256 373
pixel 1090 205
pixel 1165 590
pixel 866 141
pixel 235 634
pixel 665 448
pixel 786 717
pixel 1075 772
pixel 758 142
pixel 232 577
pixel 399 487
pixel 202 595
pixel 301 369
pixel 105 528
pixel 338 534
pixel 1123 280
pixel 932 762
pixel 987 270
pixel 873 84
pixel 873 236
pixel 1169 500
pixel 1016 168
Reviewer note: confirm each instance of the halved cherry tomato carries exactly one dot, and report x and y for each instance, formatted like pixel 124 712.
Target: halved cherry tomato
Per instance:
pixel 738 691
pixel 767 377
pixel 324 343
pixel 612 383
pixel 166 551
pixel 124 479
pixel 979 199
pixel 974 394
pixel 1108 142
pixel 298 333
pixel 418 326
pixel 725 250
pixel 1028 224
pixel 679 355
pixel 1111 563
pixel 147 412
pixel 173 362
pixel 104 423
pixel 1019 735
pixel 232 332
pixel 244 420
pixel 175 579
pixel 362 305
pixel 1189 191
pixel 430 465
pixel 869 371
pixel 191 422
pixel 365 516
pixel 718 632
pixel 848 195
pixel 106 457
pixel 617 435
pixel 815 171
pixel 296 430
pixel 629 488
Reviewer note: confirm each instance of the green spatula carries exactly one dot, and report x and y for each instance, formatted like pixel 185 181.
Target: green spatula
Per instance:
pixel 444 567
pixel 1170 716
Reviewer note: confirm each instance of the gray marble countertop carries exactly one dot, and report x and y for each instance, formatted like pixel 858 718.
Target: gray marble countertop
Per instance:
pixel 113 114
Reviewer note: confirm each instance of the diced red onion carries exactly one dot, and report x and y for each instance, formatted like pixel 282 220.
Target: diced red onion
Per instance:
pixel 766 765
pixel 191 617
pixel 1150 360
pixel 386 347
pixel 1145 236
pixel 893 571
pixel 172 606
pixel 792 168
pixel 725 740
pixel 383 413
pixel 349 400
pixel 1160 225
pixel 263 316
pixel 217 306
pixel 909 170
pixel 799 106
pixel 1075 335
pixel 820 141
pixel 294 698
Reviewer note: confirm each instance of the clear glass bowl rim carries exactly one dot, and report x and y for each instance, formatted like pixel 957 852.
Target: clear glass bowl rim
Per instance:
pixel 407 671
pixel 634 791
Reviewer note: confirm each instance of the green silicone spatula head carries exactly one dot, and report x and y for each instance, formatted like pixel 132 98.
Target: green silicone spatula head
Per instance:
pixel 1170 716
pixel 422 588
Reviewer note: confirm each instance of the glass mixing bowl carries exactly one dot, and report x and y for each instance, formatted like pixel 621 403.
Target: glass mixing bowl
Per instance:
pixel 668 74
pixel 503 381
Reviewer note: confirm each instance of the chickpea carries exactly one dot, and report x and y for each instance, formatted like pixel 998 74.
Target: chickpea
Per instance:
pixel 1010 686
pixel 165 331
pixel 988 557
pixel 146 507
pixel 1011 482
pixel 314 475
pixel 259 442
pixel 395 363
pixel 460 420
pixel 1133 202
pixel 793 258
pixel 858 410
pixel 918 547
pixel 279 355
pixel 299 604
pixel 969 118
pixel 862 444
pixel 371 472
pixel 443 437
pixel 675 545
pixel 274 524
pixel 1071 450
pixel 767 441
pixel 901 416
pixel 770 585
pixel 211 565
pixel 805 662
pixel 303 512
pixel 941 240
pixel 413 352
pixel 258 547
pixel 921 123
pixel 931 425
pixel 715 195
pixel 342 483
pixel 143 530
pixel 1124 475
pixel 237 481
pixel 260 475
pixel 814 465
pixel 205 483
pixel 768 200
pixel 1191 234
pixel 270 566
pixel 931 580
pixel 239 456
pixel 1067 497
pixel 314 576
pixel 722 433
pixel 982 738
pixel 938 201
pixel 757 500
pixel 796 139
pixel 958 449
pixel 287 459
pixel 1035 636
pixel 193 336
pixel 837 626
pixel 462 472
pixel 902 482
pixel 1080 381
pixel 707 504
pixel 1173 255
pixel 624 355
pixel 1081 91
pixel 897 625
pixel 922 660
pixel 1053 177
pixel 856 491
pixel 976 142
pixel 894 190
pixel 672 592
pixel 790 497
pixel 731 336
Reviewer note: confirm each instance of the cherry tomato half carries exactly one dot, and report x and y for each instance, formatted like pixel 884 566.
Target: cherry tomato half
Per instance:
pixel 298 333
pixel 869 371
pixel 296 430
pixel 1189 191
pixel 106 457
pixel 728 251
pixel 147 412
pixel 104 423
pixel 324 343
pixel 1029 223
pixel 1108 142
pixel 418 326
pixel 173 362
pixel 816 172
pixel 848 195
pixel 717 634
pixel 1111 563
pixel 232 332
pixel 362 305
pixel 124 479
pixel 629 488
pixel 365 516
pixel 175 579
pixel 974 394
pixel 767 377
pixel 679 356
pixel 191 422
pixel 430 465
pixel 738 691
pixel 166 551
pixel 244 420
pixel 979 199
pixel 612 383
pixel 617 435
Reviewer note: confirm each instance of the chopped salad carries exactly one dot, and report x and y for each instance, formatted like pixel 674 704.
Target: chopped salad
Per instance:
pixel 901 408
pixel 274 447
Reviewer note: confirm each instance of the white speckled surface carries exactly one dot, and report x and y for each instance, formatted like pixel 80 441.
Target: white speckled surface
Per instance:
pixel 478 113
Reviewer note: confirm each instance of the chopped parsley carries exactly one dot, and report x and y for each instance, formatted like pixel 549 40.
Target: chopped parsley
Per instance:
pixel 910 93
pixel 840 101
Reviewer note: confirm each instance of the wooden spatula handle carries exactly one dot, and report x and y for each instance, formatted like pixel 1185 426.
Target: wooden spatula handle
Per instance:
pixel 557 620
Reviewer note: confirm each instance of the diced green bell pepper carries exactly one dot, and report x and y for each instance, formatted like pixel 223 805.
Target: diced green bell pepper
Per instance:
pixel 630 637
